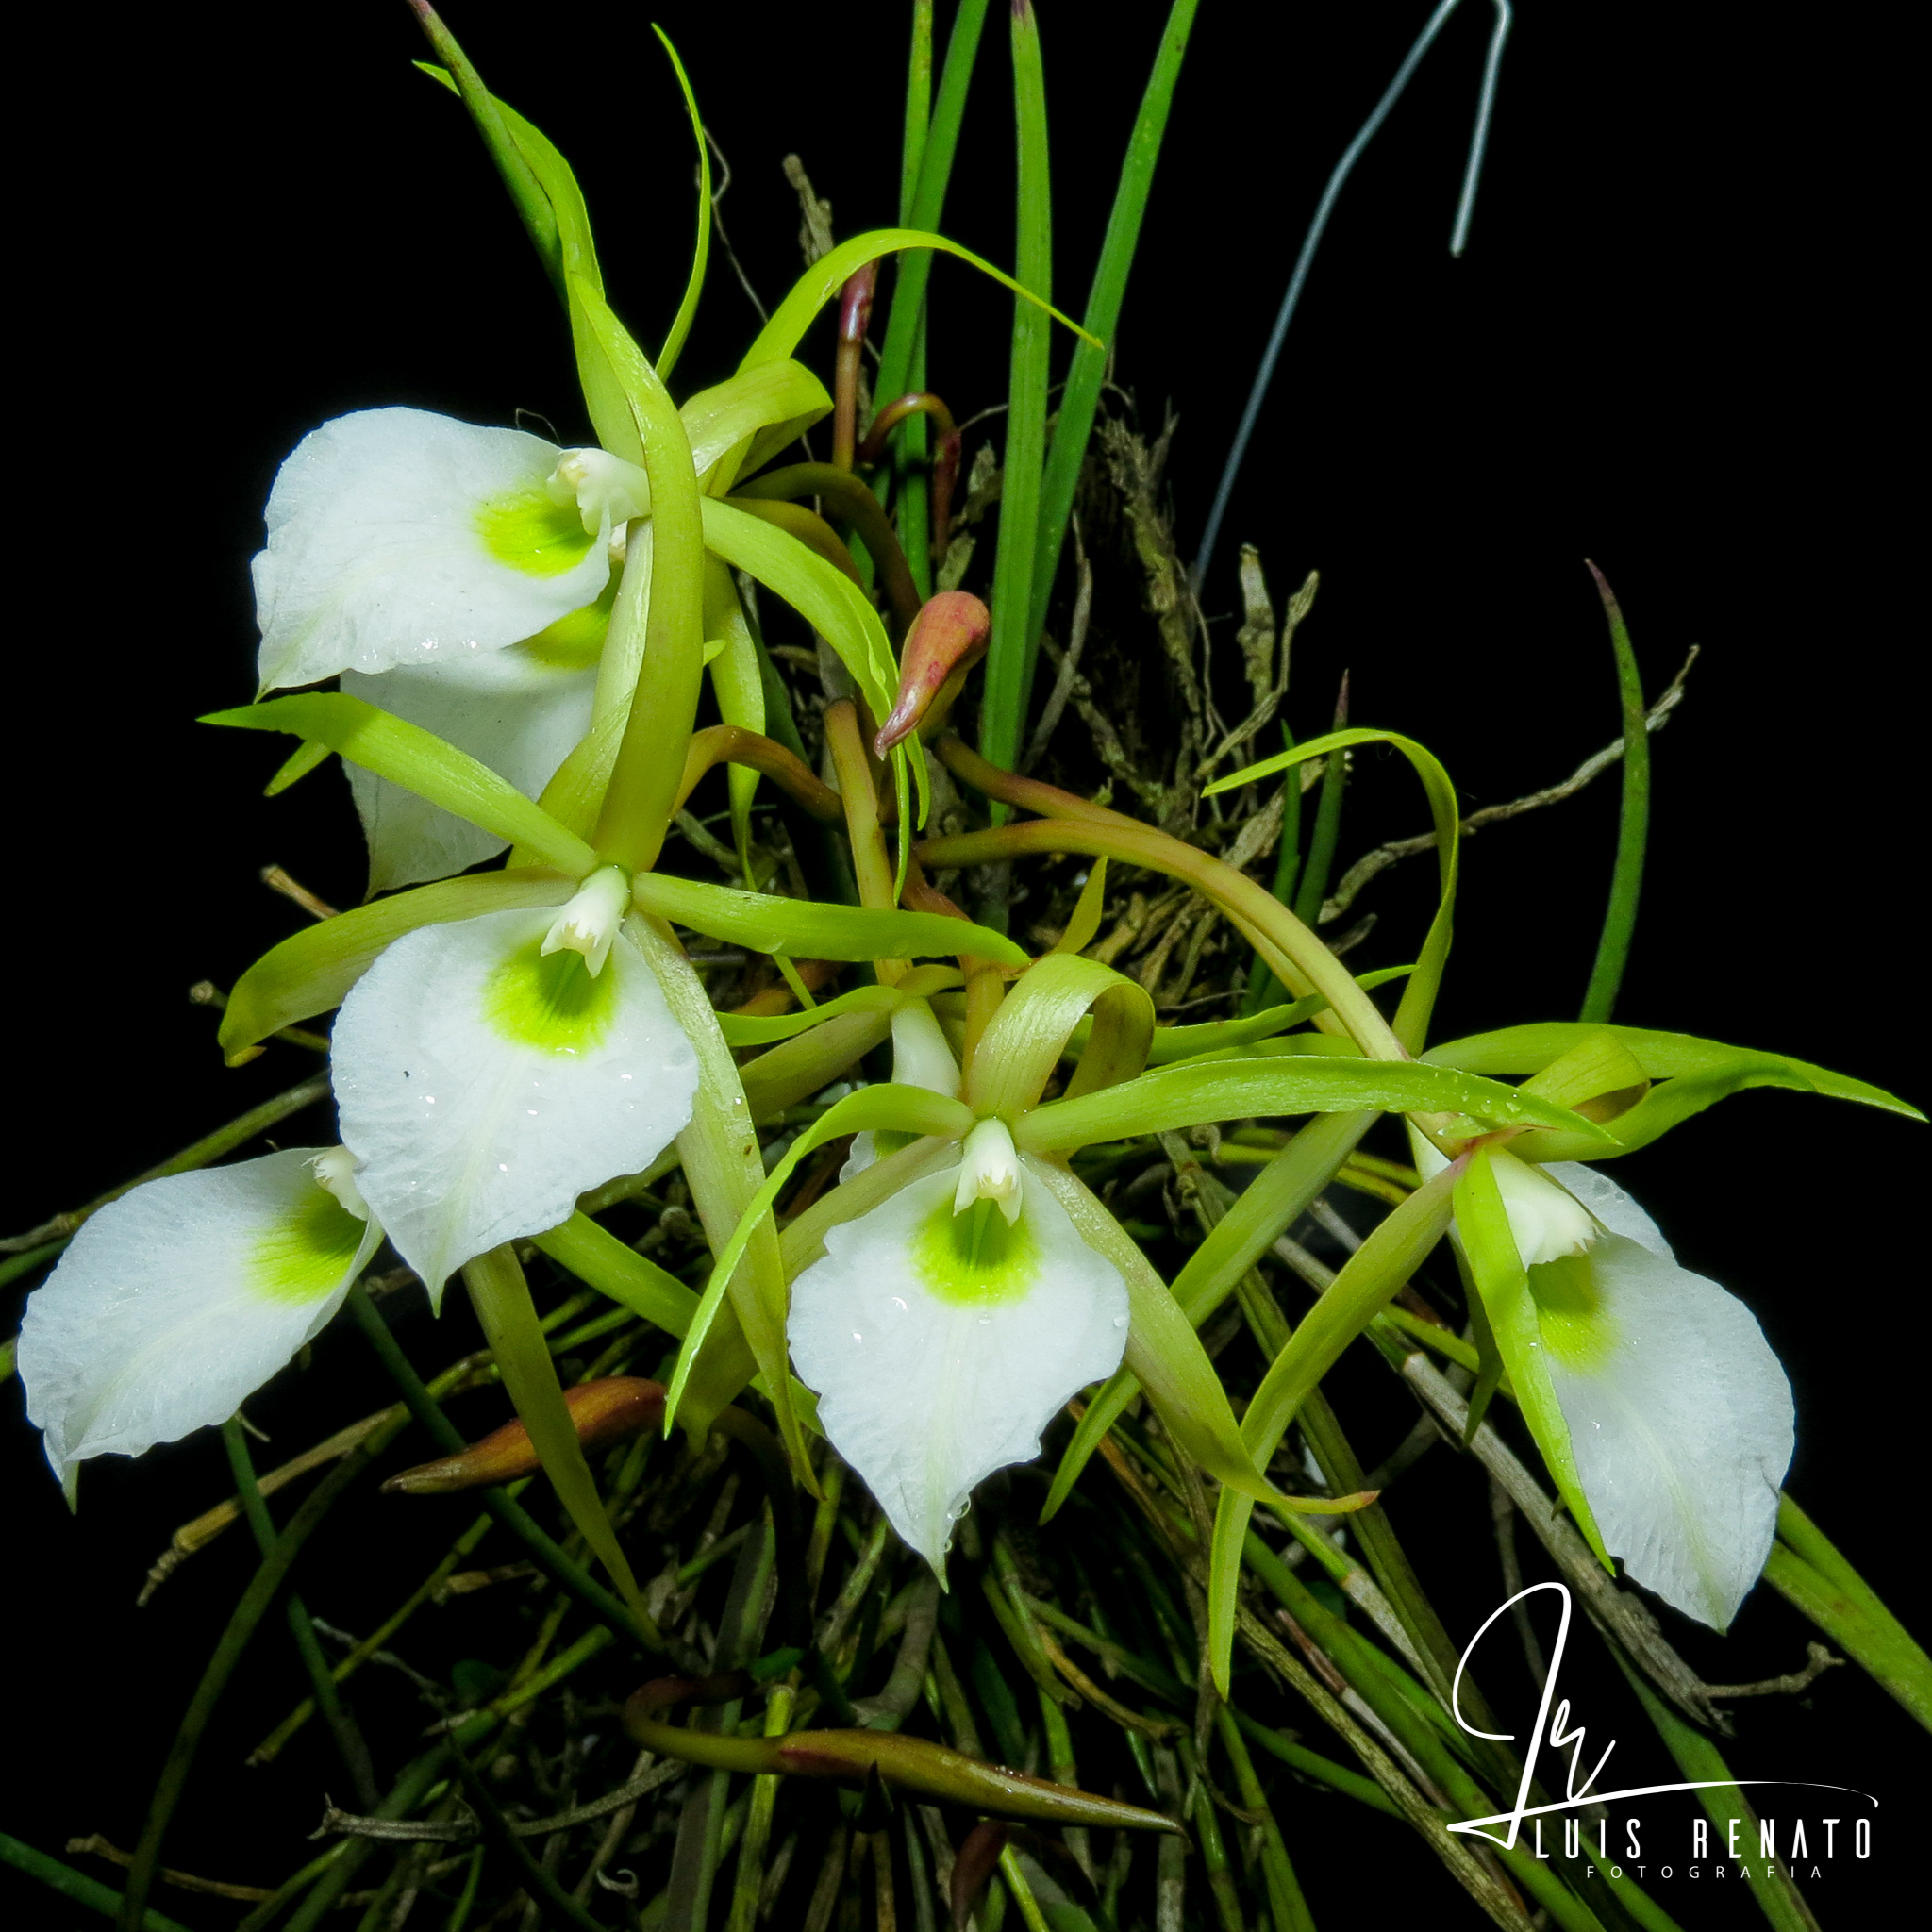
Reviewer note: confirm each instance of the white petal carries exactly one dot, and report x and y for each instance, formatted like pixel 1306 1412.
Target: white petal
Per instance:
pixel 519 712
pixel 485 1086
pixel 920 1057
pixel 1611 1204
pixel 398 536
pixel 1679 1415
pixel 175 1302
pixel 930 1377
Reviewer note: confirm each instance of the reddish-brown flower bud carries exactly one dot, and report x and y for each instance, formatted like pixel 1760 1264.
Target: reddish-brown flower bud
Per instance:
pixel 947 638
pixel 604 1411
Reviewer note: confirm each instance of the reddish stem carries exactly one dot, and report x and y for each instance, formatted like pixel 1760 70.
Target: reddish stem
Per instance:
pixel 855 318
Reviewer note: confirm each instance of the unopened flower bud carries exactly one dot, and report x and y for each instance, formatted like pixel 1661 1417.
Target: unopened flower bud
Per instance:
pixel 988 1171
pixel 588 924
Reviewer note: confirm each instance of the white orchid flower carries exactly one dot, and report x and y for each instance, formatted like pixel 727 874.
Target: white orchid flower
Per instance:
pixel 176 1302
pixel 944 1328
pixel 1678 1415
pixel 458 576
pixel 399 539
pixel 489 1070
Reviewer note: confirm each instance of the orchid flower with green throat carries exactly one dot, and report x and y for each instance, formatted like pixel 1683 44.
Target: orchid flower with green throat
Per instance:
pixel 1664 1418
pixel 949 1296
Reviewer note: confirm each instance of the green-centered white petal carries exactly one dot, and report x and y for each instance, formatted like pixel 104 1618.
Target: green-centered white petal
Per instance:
pixel 1680 1419
pixel 398 536
pixel 941 1344
pixel 485 1085
pixel 176 1302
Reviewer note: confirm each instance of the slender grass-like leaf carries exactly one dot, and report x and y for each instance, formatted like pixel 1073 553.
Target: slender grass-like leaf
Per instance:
pixel 937 147
pixel 419 762
pixel 1163 1351
pixel 826 277
pixel 1010 653
pixel 1313 886
pixel 1080 397
pixel 834 605
pixel 1701 1762
pixel 1175 1097
pixel 642 795
pixel 311 970
pixel 1262 984
pixel 503 1305
pixel 1633 822
pixel 1411 1022
pixel 768 923
pixel 1399 1245
pixel 701 251
pixel 533 206
pixel 1807 1569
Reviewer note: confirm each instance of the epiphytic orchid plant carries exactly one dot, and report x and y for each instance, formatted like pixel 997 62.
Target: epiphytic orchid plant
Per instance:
pixel 520 634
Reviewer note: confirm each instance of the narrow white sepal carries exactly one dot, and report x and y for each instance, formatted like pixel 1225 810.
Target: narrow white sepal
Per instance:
pixel 920 1057
pixel 176 1302
pixel 926 1387
pixel 989 1170
pixel 1680 1419
pixel 380 549
pixel 591 920
pixel 518 713
pixel 486 1086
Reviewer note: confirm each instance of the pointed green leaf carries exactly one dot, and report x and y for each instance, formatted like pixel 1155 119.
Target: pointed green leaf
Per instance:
pixel 834 605
pixel 759 1029
pixel 688 308
pixel 311 970
pixel 768 923
pixel 502 1301
pixel 822 280
pixel 1163 1351
pixel 735 427
pixel 1026 1038
pixel 903 1109
pixel 1693 1075
pixel 1411 1022
pixel 1482 1225
pixel 419 762
pixel 1175 1097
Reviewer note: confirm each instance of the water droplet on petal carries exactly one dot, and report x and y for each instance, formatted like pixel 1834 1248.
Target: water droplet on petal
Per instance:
pixel 1120 1321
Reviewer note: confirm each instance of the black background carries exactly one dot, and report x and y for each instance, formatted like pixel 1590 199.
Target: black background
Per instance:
pixel 1674 345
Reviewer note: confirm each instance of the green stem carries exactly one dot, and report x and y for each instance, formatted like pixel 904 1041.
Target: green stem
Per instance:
pixel 1699 1759
pixel 1294 954
pixel 1633 824
pixel 502 1300
pixel 77 1885
pixel 348 1740
pixel 242 1625
pixel 1286 1908
pixel 1010 654
pixel 567 1575
pixel 1264 990
pixel 1314 883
